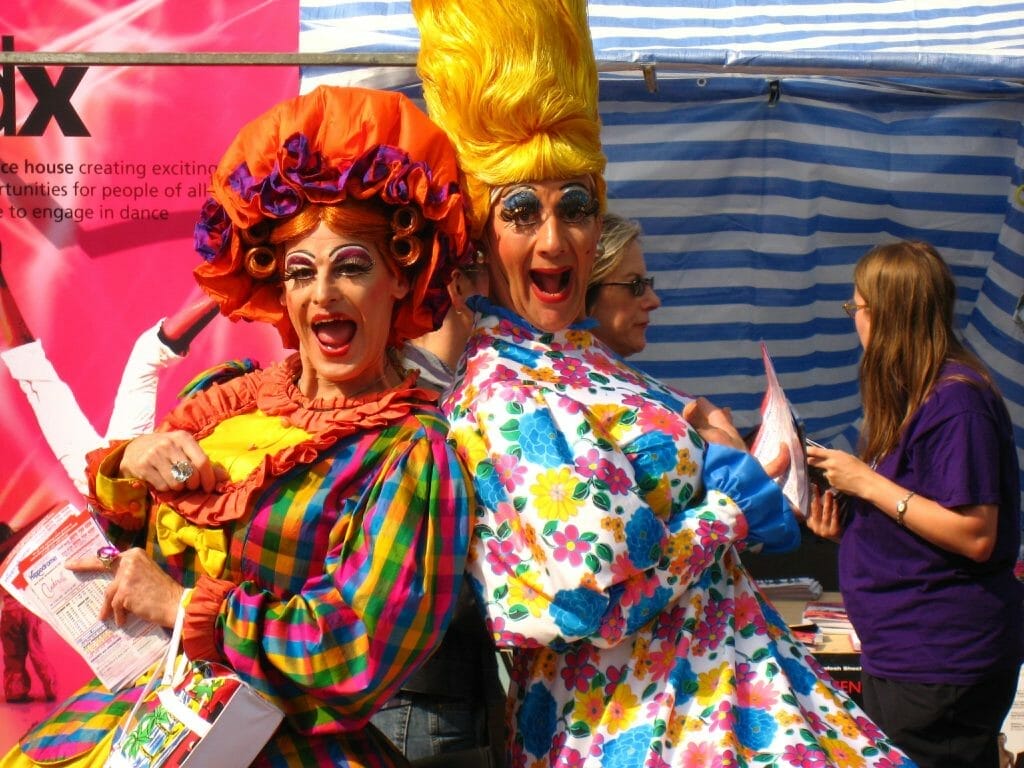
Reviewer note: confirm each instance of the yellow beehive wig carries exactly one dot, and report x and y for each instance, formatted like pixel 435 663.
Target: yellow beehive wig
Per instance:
pixel 514 84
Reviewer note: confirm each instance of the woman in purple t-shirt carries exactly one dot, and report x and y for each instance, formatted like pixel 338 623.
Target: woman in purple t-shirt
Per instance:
pixel 931 529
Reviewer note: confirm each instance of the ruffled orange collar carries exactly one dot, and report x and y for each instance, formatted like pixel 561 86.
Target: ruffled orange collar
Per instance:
pixel 273 391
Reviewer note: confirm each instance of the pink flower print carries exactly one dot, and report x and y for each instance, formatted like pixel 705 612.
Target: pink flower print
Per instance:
pixel 501 373
pixel 510 472
pixel 572 371
pixel 748 612
pixel 613 627
pixel 868 728
pixel 623 568
pixel 590 464
pixel 702 754
pixel 757 695
pixel 802 756
pixel 634 401
pixel 710 632
pixel 662 660
pixel 500 555
pixel 578 671
pixel 723 718
pixel 599 361
pixel 712 533
pixel 744 673
pixel 569 405
pixel 517 332
pixel 568 759
pixel 656 418
pixel 729 760
pixel 654 760
pixel 615 675
pixel 616 478
pixel 570 546
pixel 816 723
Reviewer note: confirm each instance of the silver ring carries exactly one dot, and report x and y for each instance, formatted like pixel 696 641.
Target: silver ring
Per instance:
pixel 181 471
pixel 108 555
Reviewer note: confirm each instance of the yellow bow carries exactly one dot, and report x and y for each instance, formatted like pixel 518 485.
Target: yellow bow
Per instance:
pixel 175 534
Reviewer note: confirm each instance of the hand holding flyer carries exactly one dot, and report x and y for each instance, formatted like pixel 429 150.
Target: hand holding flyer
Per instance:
pixel 778 444
pixel 35 575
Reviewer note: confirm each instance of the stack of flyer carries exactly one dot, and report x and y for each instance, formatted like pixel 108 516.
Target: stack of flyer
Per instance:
pixel 70 602
pixel 830 618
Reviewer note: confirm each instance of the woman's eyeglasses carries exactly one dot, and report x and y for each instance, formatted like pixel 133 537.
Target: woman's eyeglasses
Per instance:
pixel 851 309
pixel 638 285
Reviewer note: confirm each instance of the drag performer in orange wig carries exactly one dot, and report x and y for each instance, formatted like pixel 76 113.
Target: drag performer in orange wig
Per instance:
pixel 309 519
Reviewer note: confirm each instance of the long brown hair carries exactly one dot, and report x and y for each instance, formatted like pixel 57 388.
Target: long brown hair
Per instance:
pixel 910 293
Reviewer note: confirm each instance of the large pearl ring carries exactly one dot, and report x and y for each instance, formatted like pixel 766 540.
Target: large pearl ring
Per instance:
pixel 108 555
pixel 181 471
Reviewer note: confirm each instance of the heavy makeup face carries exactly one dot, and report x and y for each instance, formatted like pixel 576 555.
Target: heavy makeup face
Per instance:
pixel 541 238
pixel 339 293
pixel 622 316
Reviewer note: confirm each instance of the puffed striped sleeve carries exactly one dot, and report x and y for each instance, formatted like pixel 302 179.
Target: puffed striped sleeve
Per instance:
pixel 340 640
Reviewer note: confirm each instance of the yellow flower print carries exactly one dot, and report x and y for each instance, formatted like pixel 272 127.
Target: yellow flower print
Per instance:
pixel 841 720
pixel 530 537
pixel 614 524
pixel 589 581
pixel 606 419
pixel 580 339
pixel 471 446
pixel 641 658
pixel 521 592
pixel 786 717
pixel 550 375
pixel 544 663
pixel 715 684
pixel 685 465
pixel 842 754
pixel 589 707
pixel 553 494
pixel 621 710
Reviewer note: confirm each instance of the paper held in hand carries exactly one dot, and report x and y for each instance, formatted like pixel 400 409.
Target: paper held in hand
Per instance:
pixel 778 431
pixel 35 575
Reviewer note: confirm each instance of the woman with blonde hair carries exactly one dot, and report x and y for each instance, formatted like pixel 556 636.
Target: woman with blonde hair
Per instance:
pixel 621 294
pixel 932 518
pixel 607 532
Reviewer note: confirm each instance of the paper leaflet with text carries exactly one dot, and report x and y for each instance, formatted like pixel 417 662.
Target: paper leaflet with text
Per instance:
pixel 35 575
pixel 779 431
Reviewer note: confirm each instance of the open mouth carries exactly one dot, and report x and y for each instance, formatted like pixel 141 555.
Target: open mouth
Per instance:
pixel 335 334
pixel 551 284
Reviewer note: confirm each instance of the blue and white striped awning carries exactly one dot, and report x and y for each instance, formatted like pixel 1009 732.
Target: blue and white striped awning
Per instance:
pixel 778 142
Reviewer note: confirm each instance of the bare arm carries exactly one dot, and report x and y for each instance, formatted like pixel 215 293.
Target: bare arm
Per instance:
pixel 969 531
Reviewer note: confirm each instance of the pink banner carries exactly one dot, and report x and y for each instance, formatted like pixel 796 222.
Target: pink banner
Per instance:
pixel 103 170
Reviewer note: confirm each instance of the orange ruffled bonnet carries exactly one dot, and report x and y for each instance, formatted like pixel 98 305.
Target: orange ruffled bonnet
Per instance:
pixel 325 147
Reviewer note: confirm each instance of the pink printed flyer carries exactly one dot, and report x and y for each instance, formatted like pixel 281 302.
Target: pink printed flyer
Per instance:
pixel 103 171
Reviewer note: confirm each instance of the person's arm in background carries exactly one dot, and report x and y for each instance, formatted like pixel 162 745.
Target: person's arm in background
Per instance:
pixel 968 530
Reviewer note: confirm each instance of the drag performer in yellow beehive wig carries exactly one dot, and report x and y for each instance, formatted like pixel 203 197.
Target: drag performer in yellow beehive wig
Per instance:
pixel 607 531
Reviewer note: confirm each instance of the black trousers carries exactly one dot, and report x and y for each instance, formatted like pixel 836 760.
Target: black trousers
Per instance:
pixel 943 726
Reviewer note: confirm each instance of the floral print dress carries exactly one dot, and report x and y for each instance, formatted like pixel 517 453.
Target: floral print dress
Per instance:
pixel 605 552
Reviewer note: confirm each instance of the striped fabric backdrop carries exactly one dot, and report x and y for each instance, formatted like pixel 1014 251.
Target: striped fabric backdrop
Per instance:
pixel 781 140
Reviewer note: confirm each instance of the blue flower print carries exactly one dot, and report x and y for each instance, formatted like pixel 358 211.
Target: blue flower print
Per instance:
pixel 647 608
pixel 755 728
pixel 684 680
pixel 536 720
pixel 630 749
pixel 577 612
pixel 800 677
pixel 489 489
pixel 542 442
pixel 643 538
